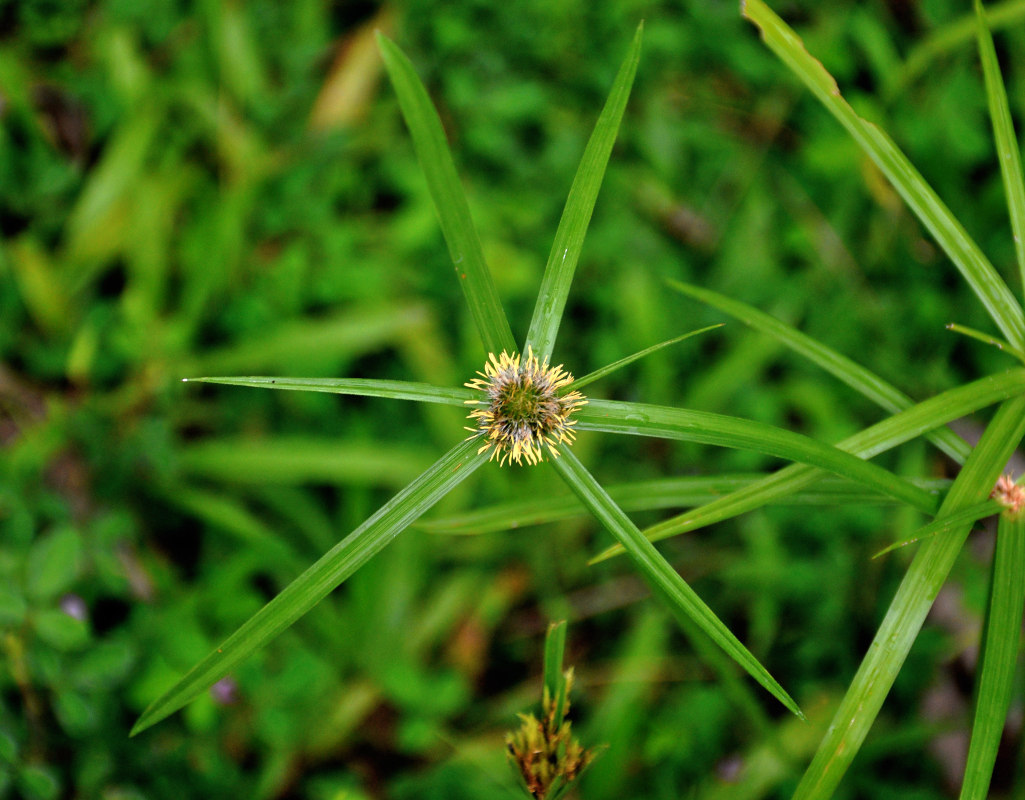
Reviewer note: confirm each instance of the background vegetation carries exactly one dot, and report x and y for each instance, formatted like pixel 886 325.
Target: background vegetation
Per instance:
pixel 228 188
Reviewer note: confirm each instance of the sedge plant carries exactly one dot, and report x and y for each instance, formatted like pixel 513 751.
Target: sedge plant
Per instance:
pixel 543 752
pixel 524 412
pixel 978 491
pixel 523 409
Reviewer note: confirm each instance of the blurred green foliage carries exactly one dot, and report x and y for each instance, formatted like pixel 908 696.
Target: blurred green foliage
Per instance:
pixel 225 187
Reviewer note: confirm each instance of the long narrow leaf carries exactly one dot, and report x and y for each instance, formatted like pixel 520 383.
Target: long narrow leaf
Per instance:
pixel 354 332
pixel 850 372
pixel 986 338
pixel 988 286
pixel 291 460
pixel 591 377
pixel 569 238
pixel 320 579
pixel 1001 639
pixel 987 508
pixel 554 677
pixel 231 516
pixel 664 581
pixel 449 200
pixel 641 419
pixel 868 443
pixel 907 612
pixel 950 37
pixel 1008 153
pixel 396 390
pixel 651 495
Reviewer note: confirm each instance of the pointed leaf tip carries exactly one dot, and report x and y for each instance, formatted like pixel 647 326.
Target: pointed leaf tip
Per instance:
pixel 576 215
pixel 449 199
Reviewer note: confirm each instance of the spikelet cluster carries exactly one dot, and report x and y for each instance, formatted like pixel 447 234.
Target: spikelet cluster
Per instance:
pixel 1010 494
pixel 545 753
pixel 521 413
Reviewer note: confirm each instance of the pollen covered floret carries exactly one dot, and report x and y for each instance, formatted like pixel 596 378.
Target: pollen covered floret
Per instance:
pixel 522 412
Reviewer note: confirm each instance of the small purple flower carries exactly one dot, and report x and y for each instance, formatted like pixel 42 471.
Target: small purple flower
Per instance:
pixel 225 691
pixel 74 606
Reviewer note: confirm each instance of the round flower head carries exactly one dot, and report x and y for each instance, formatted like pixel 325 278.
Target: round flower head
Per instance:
pixel 522 412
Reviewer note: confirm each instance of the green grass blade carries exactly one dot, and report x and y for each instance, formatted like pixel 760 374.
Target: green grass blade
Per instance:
pixel 354 332
pixel 554 677
pixel 971 514
pixel 988 286
pixel 232 517
pixel 449 200
pixel 395 390
pixel 653 495
pixel 1008 153
pixel 882 436
pixel 641 419
pixel 664 581
pixel 293 460
pixel 907 612
pixel 986 338
pixel 1001 640
pixel 569 238
pixel 850 372
pixel 608 370
pixel 952 36
pixel 320 579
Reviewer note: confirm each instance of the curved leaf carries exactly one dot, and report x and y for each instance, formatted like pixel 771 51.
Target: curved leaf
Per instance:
pixel 988 286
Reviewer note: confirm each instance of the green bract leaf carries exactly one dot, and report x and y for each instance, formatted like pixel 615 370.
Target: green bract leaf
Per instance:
pixel 987 508
pixel 608 370
pixel 1000 642
pixel 907 612
pixel 555 679
pixel 1008 153
pixel 320 579
pixel 449 200
pixel 664 581
pixel 569 239
pixel 948 232
pixel 396 390
pixel 853 374
pixel 641 419
pixel 657 494
pixel 986 338
pixel 882 436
